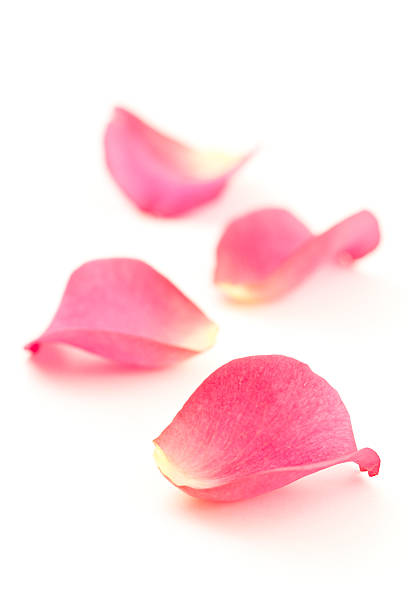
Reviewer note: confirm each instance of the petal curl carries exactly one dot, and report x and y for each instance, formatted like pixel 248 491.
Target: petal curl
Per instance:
pixel 254 425
pixel 124 310
pixel 160 175
pixel 264 254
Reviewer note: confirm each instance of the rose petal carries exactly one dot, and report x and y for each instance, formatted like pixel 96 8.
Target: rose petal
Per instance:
pixel 268 252
pixel 160 175
pixel 124 310
pixel 257 424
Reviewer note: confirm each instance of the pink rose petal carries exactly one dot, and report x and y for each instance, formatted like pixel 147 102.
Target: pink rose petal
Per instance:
pixel 124 310
pixel 160 175
pixel 254 425
pixel 264 254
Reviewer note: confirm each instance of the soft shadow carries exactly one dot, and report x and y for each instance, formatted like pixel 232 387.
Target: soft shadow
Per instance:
pixel 71 363
pixel 75 369
pixel 334 298
pixel 320 511
pixel 78 372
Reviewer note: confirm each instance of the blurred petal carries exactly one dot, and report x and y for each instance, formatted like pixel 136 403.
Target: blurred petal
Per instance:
pixel 268 252
pixel 257 424
pixel 124 310
pixel 160 175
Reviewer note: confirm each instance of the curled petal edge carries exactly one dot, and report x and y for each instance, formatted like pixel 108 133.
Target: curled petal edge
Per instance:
pixel 345 242
pixel 223 490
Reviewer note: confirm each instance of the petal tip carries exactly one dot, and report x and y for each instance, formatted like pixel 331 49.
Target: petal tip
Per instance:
pixel 237 293
pixel 369 461
pixel 175 475
pixel 213 331
pixel 165 466
pixel 33 346
pixel 203 339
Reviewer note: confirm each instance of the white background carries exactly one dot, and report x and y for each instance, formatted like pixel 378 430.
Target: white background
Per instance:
pixel 88 523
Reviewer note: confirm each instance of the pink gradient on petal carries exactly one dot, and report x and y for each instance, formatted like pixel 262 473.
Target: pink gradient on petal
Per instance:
pixel 254 425
pixel 124 310
pixel 160 175
pixel 264 254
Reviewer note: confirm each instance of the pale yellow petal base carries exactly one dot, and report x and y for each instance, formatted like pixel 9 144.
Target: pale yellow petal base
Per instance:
pixel 178 477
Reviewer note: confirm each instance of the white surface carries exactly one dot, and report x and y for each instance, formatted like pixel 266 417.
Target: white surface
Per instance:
pixel 87 521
